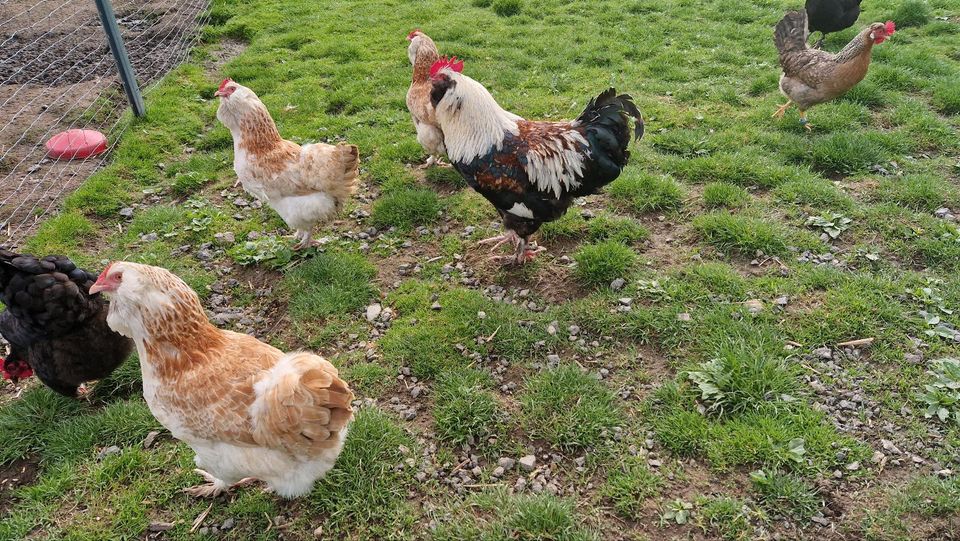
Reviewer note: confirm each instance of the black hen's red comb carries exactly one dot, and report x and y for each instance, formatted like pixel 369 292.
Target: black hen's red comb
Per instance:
pixel 444 62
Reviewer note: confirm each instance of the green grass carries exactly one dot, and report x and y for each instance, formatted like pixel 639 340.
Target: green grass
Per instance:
pixel 714 182
pixel 568 408
pixel 599 264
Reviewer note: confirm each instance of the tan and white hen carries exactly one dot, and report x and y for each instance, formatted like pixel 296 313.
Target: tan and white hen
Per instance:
pixel 247 409
pixel 306 184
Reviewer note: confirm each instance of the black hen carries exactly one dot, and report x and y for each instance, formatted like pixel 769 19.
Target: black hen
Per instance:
pixel 54 325
pixel 826 16
pixel 531 171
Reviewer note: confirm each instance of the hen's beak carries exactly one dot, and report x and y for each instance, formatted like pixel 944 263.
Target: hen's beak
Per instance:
pixel 219 94
pixel 97 287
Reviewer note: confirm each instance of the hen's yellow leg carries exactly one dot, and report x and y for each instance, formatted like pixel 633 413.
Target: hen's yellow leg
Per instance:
pixel 783 109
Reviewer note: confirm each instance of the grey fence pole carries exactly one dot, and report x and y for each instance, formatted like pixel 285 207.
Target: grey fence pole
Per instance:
pixel 127 75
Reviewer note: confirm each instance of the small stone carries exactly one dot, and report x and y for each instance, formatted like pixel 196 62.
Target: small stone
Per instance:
pixel 374 311
pixel 782 301
pixel 435 306
pixel 481 314
pixel 150 439
pixel 318 533
pixel 618 284
pixel 878 457
pixel 499 471
pixel 853 466
pixel 528 462
pixel 506 463
pixel 820 520
pixel 107 451
pixel 823 353
pixel 654 463
pixel 946 472
pixel 204 531
pixel 553 359
pixel 127 212
pixel 754 306
pixel 683 316
pixel 160 526
pixel 228 524
pixel 149 237
pixel 477 471
pixel 574 330
pixel 626 301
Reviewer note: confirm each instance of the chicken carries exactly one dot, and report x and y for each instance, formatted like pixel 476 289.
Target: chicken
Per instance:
pixel 55 326
pixel 531 171
pixel 826 16
pixel 305 185
pixel 810 76
pixel 423 54
pixel 247 409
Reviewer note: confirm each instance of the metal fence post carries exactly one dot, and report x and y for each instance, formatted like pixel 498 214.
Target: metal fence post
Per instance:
pixel 127 75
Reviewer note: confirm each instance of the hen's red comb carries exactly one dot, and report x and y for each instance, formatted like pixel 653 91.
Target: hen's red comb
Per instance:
pixel 444 62
pixel 413 33
pixel 105 271
pixel 890 27
pixel 222 85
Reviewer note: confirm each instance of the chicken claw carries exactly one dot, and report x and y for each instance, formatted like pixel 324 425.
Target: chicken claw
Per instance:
pixel 500 240
pixel 211 489
pixel 783 109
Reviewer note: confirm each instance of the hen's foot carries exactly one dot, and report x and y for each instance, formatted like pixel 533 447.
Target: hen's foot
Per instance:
pixel 500 240
pixel 782 110
pixel 805 123
pixel 304 241
pixel 211 489
pixel 237 183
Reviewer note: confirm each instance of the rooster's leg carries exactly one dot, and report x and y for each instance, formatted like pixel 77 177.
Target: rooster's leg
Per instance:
pixel 500 240
pixel 525 253
pixel 783 109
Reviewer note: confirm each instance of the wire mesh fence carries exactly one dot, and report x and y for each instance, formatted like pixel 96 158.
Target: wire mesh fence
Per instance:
pixel 57 73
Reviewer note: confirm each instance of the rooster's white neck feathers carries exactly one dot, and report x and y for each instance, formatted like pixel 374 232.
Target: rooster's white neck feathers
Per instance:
pixel 473 123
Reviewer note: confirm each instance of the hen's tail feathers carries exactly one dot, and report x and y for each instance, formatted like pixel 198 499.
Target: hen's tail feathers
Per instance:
pixel 13 264
pixel 301 405
pixel 350 160
pixel 791 32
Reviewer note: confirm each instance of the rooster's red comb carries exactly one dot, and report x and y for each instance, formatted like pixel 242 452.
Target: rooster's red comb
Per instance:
pixel 444 62
pixel 225 83
pixel 890 27
pixel 413 33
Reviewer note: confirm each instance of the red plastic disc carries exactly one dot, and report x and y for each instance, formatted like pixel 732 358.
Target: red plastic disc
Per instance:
pixel 74 144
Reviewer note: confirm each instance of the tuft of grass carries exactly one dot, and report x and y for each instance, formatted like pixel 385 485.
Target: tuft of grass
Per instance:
pixel 620 229
pixel 727 518
pixel 785 495
pixel 645 193
pixel 630 484
pixel 507 8
pixel 366 490
pixel 444 176
pixel 946 97
pixel 912 13
pixel 405 207
pixel 499 515
pixel 846 153
pixel 744 169
pixel 569 226
pixel 721 194
pixel 570 409
pixel 814 193
pixel 599 264
pixel 465 409
pixel 330 284
pixel 918 192
pixel 735 233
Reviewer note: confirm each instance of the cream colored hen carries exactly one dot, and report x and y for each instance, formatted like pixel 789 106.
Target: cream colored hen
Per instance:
pixel 247 409
pixel 306 184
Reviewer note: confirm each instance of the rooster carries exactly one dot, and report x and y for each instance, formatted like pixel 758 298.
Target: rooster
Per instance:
pixel 531 171
pixel 305 185
pixel 247 409
pixel 56 327
pixel 810 76
pixel 826 16
pixel 423 54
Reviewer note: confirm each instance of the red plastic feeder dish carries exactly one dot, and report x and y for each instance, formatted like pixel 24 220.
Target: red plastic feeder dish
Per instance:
pixel 74 144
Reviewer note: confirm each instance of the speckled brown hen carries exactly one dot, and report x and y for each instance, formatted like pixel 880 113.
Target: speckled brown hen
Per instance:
pixel 247 409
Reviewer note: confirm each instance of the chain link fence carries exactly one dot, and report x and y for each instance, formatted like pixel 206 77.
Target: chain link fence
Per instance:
pixel 57 73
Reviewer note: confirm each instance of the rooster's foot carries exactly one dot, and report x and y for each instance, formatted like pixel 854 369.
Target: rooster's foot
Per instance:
pixel 211 489
pixel 529 254
pixel 500 240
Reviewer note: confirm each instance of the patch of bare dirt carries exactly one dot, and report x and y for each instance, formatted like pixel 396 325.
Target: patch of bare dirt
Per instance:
pixel 13 476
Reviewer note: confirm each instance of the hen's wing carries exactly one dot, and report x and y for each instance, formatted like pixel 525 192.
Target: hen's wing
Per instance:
pixel 48 295
pixel 332 169
pixel 301 405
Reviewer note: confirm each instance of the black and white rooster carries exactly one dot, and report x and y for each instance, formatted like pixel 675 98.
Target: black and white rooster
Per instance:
pixel 531 171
